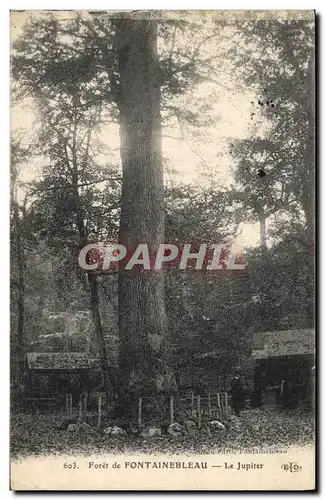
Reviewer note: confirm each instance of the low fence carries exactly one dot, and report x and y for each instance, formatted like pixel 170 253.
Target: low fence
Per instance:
pixel 83 406
pixel 211 407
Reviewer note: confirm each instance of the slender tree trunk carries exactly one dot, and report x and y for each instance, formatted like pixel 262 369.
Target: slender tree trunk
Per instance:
pixel 145 363
pixel 20 289
pixel 109 379
pixel 308 185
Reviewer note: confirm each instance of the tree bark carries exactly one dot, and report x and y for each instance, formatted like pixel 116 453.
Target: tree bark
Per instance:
pixel 145 363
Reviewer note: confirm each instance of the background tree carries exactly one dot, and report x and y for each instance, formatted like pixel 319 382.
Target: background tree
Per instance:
pixel 282 72
pixel 19 238
pixel 69 209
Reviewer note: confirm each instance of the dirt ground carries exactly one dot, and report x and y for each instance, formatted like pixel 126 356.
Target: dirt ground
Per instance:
pixel 39 434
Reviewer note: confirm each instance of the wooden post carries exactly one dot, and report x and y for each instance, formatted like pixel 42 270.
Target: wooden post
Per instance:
pixel 209 404
pixel 219 406
pixel 226 403
pixel 171 409
pixel 67 407
pixel 198 407
pixel 139 412
pixel 80 408
pixel 192 402
pixel 99 411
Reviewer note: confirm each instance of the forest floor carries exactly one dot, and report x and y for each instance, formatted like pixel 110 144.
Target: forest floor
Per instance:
pixel 38 434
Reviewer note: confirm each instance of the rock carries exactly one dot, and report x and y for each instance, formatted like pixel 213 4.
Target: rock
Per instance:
pixel 71 427
pixel 216 425
pixel 175 430
pixel 151 432
pixel 114 431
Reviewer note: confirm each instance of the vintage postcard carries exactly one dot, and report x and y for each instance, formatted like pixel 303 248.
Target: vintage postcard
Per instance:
pixel 162 250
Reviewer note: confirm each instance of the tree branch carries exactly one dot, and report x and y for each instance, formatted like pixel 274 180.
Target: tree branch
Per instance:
pixel 73 186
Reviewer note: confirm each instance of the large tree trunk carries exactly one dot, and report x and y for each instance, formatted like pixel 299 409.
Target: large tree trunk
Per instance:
pixel 145 366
